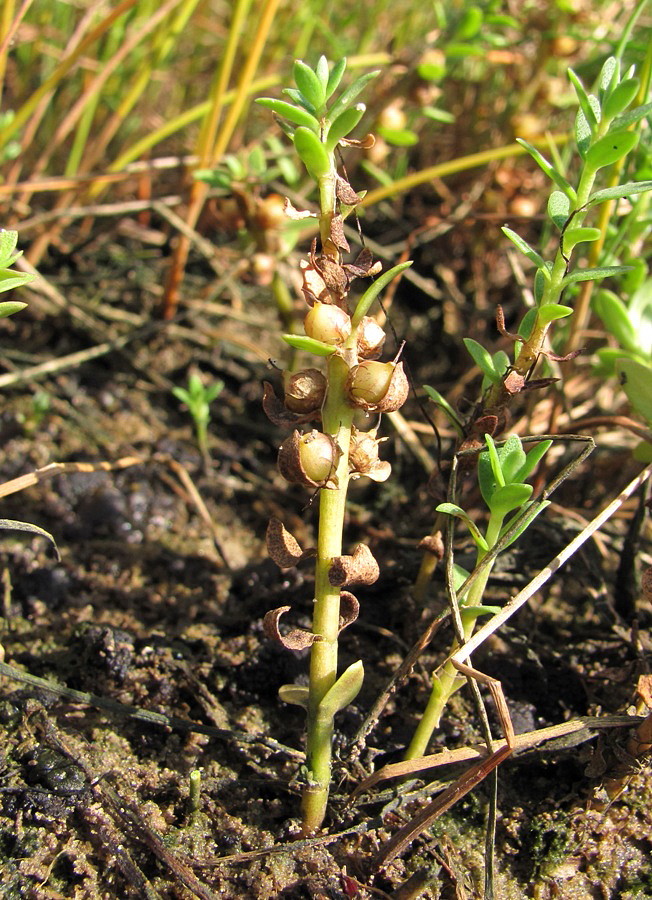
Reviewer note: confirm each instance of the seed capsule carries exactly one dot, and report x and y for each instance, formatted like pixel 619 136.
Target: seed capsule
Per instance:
pixel 371 338
pixel 377 386
pixel 309 459
pixel 327 323
pixel 305 391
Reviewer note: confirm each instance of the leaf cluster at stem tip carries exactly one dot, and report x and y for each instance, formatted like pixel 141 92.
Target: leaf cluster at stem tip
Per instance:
pixel 315 125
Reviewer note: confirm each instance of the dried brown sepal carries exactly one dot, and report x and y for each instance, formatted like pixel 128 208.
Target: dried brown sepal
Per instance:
pixel 305 391
pixel 283 547
pixel 349 609
pixel 514 383
pixel 337 234
pixel 345 193
pixel 277 413
pixel 387 396
pixel 290 462
pixel 360 568
pixel 366 143
pixel 371 338
pixel 297 214
pixel 646 584
pixel 296 639
pixel 500 325
pixel 363 266
pixel 363 456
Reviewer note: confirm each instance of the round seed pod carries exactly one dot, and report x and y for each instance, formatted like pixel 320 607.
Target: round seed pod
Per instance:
pixel 377 386
pixel 327 323
pixel 371 338
pixel 309 459
pixel 305 391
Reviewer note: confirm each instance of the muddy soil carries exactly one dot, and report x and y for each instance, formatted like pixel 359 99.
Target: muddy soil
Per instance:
pixel 155 607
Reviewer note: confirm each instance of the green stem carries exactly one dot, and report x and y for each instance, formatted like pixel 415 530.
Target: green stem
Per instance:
pixel 449 680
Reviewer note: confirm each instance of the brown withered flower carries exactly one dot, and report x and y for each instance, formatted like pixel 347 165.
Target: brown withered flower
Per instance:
pixel 305 391
pixel 371 338
pixel 363 456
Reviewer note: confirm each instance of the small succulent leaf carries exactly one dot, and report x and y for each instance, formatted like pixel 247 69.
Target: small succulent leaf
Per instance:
pixel 559 208
pixel 342 693
pixel 298 98
pixel 583 133
pixel 482 358
pixel 344 125
pixel 460 574
pixel 640 314
pixel 335 77
pixel 529 319
pixel 8 242
pixel 349 95
pixel 443 403
pixel 636 381
pixel 452 509
pixel 9 307
pixel 309 84
pixel 512 458
pixel 398 137
pixel 594 274
pixel 501 362
pixel 12 525
pixel 553 311
pixel 469 614
pixel 297 694
pixel 523 246
pixel 322 72
pixel 609 77
pixel 9 279
pixel 470 23
pixel 534 508
pixel 616 319
pixel 547 167
pixel 313 154
pixel 587 102
pixel 364 303
pixel 618 191
pixel 632 116
pixel 310 345
pixel 532 459
pixel 509 497
pixel 621 97
pixel 607 359
pixel 609 149
pixel 541 279
pixel 182 394
pixel 295 114
pixel 573 236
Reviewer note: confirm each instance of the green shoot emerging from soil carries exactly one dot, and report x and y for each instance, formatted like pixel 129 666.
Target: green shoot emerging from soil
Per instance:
pixel 197 398
pixel 326 458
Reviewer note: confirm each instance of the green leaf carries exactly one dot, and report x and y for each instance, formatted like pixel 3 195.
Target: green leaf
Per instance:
pixel 469 614
pixel 321 71
pixel 620 99
pixel 509 497
pixel 451 509
pixel 532 509
pixel 615 317
pixel 530 318
pixel 470 23
pixel 573 236
pixel 309 84
pixel 349 95
pixel 364 303
pixel 552 173
pixel 583 133
pixel 313 154
pixel 296 694
pixel 559 208
pixel 636 381
pixel 618 191
pixel 523 246
pixel 9 307
pixel 588 104
pixel 610 148
pixel 632 116
pixel 438 115
pixel 550 312
pixel 342 693
pixel 298 98
pixel 8 242
pixel 541 280
pixel 593 274
pixel 295 114
pixel 398 137
pixel 310 345
pixel 460 574
pixel 12 525
pixel 532 460
pixel 441 401
pixel 482 359
pixel 609 77
pixel 512 457
pixel 335 77
pixel 344 125
pixel 9 279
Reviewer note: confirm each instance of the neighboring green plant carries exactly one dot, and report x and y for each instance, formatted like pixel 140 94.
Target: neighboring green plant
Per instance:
pixel 349 341
pixel 197 398
pixel 502 473
pixel 9 278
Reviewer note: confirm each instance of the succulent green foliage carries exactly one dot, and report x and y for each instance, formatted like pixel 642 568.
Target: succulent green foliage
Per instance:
pixel 314 126
pixel 309 345
pixel 636 380
pixel 493 366
pixel 343 692
pixel 9 278
pixel 197 398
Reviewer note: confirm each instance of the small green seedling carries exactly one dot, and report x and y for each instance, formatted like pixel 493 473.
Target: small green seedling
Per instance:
pixel 502 474
pixel 197 398
pixel 347 342
pixel 9 278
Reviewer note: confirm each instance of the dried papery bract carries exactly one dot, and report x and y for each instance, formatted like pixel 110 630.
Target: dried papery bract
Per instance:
pixel 347 340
